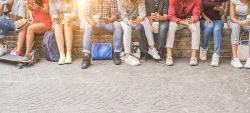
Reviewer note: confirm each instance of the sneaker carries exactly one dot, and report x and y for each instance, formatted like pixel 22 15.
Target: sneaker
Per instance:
pixel 61 60
pixel 68 59
pixel 169 61
pixel 116 58
pixel 247 65
pixel 154 53
pixel 193 61
pixel 85 61
pixel 203 54
pixel 3 50
pixel 132 61
pixel 215 60
pixel 17 53
pixel 235 62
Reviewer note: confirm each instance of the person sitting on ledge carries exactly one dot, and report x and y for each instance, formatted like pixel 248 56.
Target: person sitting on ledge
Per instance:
pixel 184 14
pixel 10 11
pixel 63 14
pixel 102 14
pixel 212 24
pixel 39 23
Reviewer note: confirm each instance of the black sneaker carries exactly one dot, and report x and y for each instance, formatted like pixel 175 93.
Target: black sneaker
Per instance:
pixel 85 61
pixel 144 57
pixel 116 58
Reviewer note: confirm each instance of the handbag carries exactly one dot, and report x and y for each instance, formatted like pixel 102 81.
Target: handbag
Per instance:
pixel 243 49
pixel 101 51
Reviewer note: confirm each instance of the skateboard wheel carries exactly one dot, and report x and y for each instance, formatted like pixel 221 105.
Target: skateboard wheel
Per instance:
pixel 20 66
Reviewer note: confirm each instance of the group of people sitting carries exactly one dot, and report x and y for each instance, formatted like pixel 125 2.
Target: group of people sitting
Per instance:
pixel 155 23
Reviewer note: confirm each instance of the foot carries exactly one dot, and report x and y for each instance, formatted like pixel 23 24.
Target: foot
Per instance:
pixel 154 53
pixel 68 59
pixel 235 62
pixel 169 61
pixel 130 60
pixel 116 58
pixel 3 49
pixel 61 60
pixel 85 61
pixel 215 60
pixel 247 65
pixel 193 61
pixel 203 54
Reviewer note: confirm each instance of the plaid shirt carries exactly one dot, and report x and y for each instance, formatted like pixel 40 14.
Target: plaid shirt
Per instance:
pixel 107 8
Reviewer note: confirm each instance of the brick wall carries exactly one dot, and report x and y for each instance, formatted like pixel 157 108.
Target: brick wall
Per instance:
pixel 181 48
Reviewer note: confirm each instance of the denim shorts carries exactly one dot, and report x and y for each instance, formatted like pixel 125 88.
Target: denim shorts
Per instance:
pixel 6 25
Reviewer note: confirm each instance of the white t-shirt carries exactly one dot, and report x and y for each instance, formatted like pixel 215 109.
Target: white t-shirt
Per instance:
pixel 241 9
pixel 18 8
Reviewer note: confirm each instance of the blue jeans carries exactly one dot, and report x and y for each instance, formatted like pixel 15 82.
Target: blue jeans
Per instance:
pixel 160 40
pixel 114 27
pixel 6 25
pixel 214 29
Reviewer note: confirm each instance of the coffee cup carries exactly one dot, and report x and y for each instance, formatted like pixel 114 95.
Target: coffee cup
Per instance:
pixel 96 19
pixel 155 26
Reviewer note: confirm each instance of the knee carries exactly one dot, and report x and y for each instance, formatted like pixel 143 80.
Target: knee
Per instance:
pixel 209 26
pixel 127 29
pixel 164 27
pixel 30 29
pixel 117 25
pixel 139 28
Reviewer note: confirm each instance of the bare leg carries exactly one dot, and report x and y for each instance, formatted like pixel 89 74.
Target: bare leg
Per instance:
pixel 60 38
pixel 68 38
pixel 234 51
pixel 32 29
pixel 21 39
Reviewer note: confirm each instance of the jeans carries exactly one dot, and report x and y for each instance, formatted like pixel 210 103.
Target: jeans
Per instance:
pixel 127 34
pixel 214 29
pixel 160 40
pixel 236 30
pixel 6 25
pixel 114 27
pixel 195 31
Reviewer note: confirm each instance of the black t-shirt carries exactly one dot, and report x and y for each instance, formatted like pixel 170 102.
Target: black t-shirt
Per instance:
pixel 208 8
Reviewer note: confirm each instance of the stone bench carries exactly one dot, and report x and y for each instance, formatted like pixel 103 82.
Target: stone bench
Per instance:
pixel 181 47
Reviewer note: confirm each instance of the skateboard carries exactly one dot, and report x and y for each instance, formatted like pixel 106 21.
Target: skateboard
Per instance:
pixel 20 60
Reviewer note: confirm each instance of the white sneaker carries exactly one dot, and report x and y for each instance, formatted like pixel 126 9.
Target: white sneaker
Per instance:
pixel 203 54
pixel 215 60
pixel 3 49
pixel 61 61
pixel 247 65
pixel 169 61
pixel 193 61
pixel 235 62
pixel 132 61
pixel 154 53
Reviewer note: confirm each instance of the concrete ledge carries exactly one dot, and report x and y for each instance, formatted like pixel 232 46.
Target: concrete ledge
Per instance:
pixel 181 47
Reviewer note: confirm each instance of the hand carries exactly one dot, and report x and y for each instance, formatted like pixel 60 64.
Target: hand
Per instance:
pixel 150 20
pixel 208 21
pixel 108 20
pixel 139 19
pixel 184 22
pixel 93 24
pixel 130 22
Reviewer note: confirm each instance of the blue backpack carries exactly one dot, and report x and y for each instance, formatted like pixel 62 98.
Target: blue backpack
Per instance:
pixel 51 52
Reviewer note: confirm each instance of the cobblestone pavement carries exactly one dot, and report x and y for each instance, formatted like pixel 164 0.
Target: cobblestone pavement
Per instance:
pixel 106 88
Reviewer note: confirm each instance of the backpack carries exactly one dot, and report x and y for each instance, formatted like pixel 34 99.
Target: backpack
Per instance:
pixel 50 49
